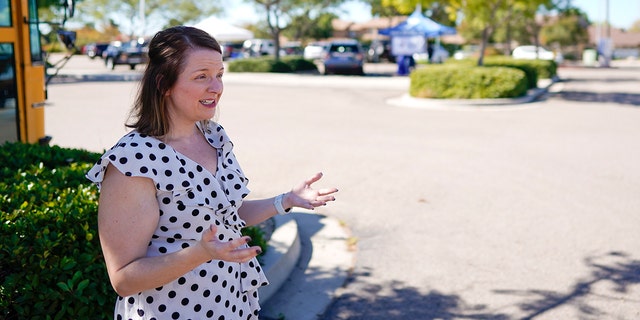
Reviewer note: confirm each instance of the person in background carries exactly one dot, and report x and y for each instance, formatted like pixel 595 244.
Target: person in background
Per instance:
pixel 172 206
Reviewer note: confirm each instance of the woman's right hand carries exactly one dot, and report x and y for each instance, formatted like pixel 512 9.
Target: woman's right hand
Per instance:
pixel 232 251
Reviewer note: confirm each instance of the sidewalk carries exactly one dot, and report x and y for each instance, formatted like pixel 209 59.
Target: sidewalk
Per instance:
pixel 308 260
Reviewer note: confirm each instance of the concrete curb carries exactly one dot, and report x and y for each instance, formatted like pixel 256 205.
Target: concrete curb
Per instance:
pixel 282 255
pixel 326 261
pixel 97 77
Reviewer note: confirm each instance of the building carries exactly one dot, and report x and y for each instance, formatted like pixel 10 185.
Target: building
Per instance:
pixel 626 44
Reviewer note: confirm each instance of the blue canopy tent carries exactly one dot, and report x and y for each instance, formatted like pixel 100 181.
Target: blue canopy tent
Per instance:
pixel 415 25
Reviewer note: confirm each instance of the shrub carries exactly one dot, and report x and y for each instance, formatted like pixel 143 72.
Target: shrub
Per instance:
pixel 298 64
pixel 51 264
pixel 250 65
pixel 452 81
pixel 544 69
pixel 534 69
pixel 287 64
pixel 50 256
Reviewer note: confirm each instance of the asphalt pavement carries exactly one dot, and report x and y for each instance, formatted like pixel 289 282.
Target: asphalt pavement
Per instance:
pixel 510 211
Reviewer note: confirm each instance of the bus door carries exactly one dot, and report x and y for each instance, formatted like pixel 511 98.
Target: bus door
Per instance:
pixel 34 75
pixel 22 74
pixel 9 129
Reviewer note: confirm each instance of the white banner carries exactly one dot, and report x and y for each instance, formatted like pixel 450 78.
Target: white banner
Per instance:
pixel 408 45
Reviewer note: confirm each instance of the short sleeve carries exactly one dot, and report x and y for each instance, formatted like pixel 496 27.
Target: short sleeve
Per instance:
pixel 136 155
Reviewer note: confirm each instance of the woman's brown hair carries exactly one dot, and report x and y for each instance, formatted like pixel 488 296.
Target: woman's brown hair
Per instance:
pixel 168 51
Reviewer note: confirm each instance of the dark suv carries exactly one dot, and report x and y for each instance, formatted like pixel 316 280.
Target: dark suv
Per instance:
pixel 380 50
pixel 94 49
pixel 131 53
pixel 344 56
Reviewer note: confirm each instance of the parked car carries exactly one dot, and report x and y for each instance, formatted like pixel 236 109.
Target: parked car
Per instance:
pixel 95 49
pixel 131 53
pixel 344 56
pixel 259 47
pixel 291 48
pixel 231 50
pixel 315 51
pixel 530 52
pixel 470 51
pixel 380 50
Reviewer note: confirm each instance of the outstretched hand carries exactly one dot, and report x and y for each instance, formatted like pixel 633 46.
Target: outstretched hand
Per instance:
pixel 304 196
pixel 236 250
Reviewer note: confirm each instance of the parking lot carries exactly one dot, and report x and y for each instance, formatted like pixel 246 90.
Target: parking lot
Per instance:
pixel 529 212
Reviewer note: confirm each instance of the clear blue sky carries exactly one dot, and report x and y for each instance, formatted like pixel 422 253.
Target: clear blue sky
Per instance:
pixel 622 13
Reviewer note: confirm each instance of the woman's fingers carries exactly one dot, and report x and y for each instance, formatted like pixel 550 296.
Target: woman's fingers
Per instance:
pixel 209 235
pixel 313 179
pixel 236 250
pixel 327 191
pixel 244 254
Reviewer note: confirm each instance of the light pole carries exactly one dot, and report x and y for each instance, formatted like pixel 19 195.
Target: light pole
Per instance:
pixel 607 44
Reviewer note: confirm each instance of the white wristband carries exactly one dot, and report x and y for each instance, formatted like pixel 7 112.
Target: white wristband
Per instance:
pixel 277 202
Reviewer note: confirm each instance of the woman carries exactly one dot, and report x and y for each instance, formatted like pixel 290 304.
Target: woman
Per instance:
pixel 171 195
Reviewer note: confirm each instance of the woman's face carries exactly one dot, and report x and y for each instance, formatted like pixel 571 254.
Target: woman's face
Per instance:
pixel 197 91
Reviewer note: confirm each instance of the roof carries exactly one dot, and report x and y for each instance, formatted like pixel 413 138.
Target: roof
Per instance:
pixel 621 38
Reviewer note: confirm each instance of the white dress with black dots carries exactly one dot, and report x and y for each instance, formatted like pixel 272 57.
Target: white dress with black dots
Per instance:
pixel 190 199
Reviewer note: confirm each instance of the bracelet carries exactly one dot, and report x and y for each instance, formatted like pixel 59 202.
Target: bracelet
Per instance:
pixel 277 202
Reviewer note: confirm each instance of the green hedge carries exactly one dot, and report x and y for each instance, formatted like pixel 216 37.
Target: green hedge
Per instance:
pixel 288 64
pixel 50 256
pixel 534 69
pixel 51 264
pixel 457 81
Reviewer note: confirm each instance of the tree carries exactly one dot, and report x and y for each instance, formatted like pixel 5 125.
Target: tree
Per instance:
pixel 406 7
pixel 303 27
pixel 381 10
pixel 53 12
pixel 279 14
pixel 568 30
pixel 485 17
pixel 101 12
pixel 635 27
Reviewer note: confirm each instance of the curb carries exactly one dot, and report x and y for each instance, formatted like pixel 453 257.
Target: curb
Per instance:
pixel 326 261
pixel 98 77
pixel 283 253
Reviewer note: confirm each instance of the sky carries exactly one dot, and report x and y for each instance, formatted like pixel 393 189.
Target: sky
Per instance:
pixel 622 13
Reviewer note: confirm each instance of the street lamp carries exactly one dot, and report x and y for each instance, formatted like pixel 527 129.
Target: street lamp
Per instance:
pixel 606 43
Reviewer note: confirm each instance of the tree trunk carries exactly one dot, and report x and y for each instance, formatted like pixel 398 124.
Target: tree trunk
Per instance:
pixel 483 46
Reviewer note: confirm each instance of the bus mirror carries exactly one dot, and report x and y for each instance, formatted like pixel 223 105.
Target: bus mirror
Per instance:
pixel 68 38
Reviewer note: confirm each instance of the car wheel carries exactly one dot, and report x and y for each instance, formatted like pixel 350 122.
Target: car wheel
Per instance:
pixel 110 63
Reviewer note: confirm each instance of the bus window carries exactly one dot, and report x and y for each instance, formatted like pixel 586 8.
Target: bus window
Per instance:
pixel 34 32
pixel 8 104
pixel 5 13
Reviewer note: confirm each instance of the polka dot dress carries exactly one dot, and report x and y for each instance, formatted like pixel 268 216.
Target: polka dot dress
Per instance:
pixel 190 199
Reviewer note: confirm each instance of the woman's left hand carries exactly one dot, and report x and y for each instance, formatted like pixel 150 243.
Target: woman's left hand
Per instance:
pixel 304 196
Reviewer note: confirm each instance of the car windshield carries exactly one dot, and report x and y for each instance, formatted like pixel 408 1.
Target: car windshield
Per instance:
pixel 342 48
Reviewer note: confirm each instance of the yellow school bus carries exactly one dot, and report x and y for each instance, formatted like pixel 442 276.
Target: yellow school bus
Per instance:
pixel 22 72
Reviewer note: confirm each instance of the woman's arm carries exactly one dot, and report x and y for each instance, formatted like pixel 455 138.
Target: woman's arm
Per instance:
pixel 302 195
pixel 127 217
